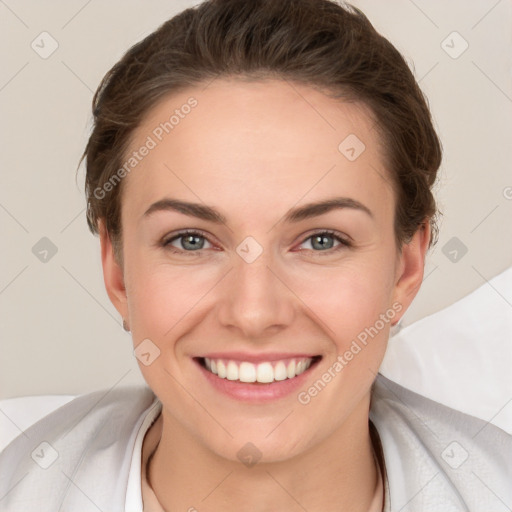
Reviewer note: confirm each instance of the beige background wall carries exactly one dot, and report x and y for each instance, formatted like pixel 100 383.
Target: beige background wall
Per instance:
pixel 59 332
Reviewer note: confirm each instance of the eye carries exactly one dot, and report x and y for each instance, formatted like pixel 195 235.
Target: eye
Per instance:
pixel 187 241
pixel 323 242
pixel 190 241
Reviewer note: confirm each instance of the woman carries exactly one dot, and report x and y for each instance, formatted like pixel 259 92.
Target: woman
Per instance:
pixel 260 176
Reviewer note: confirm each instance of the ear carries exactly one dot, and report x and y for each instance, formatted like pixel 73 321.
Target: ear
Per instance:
pixel 410 268
pixel 112 273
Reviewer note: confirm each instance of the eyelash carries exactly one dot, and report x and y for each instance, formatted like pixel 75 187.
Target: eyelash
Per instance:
pixel 344 243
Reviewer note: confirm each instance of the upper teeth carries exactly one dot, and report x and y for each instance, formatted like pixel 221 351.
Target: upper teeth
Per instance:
pixel 263 372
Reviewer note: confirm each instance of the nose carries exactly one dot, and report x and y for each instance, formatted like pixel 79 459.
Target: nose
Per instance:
pixel 255 299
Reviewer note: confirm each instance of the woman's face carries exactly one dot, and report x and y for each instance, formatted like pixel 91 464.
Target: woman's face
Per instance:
pixel 259 281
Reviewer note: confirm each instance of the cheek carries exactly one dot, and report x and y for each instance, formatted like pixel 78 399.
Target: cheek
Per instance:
pixel 351 298
pixel 160 295
pixel 164 301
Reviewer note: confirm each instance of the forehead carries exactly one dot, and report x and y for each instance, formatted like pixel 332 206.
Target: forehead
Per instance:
pixel 263 139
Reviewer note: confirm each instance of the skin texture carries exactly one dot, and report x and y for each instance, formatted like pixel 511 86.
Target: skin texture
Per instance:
pixel 254 150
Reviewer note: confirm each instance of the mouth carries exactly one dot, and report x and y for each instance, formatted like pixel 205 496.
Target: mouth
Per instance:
pixel 264 372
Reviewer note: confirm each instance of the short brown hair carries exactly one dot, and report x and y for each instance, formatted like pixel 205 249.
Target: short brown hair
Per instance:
pixel 320 43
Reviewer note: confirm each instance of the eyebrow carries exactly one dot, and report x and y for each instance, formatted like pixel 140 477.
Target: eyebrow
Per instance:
pixel 210 214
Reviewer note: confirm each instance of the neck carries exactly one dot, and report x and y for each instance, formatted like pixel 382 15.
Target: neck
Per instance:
pixel 339 473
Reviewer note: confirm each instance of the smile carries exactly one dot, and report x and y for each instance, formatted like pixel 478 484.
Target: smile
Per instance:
pixel 265 372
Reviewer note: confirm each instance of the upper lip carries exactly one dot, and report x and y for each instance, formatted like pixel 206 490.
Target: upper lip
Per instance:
pixel 256 358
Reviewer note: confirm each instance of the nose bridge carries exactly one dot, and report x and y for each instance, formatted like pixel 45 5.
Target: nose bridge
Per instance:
pixel 254 298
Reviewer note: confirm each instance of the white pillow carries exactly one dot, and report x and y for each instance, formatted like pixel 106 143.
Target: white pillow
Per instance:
pixel 461 356
pixel 17 414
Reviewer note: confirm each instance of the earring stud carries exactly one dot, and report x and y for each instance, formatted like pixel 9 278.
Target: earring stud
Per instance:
pixel 126 326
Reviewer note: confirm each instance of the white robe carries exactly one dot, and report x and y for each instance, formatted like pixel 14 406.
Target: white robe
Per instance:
pixel 437 459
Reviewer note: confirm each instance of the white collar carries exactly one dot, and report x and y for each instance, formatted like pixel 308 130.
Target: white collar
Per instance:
pixel 133 502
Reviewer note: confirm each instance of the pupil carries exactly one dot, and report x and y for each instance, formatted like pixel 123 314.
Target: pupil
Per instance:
pixel 323 241
pixel 193 240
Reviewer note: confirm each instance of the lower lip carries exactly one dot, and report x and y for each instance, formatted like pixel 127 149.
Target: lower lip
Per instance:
pixel 256 392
